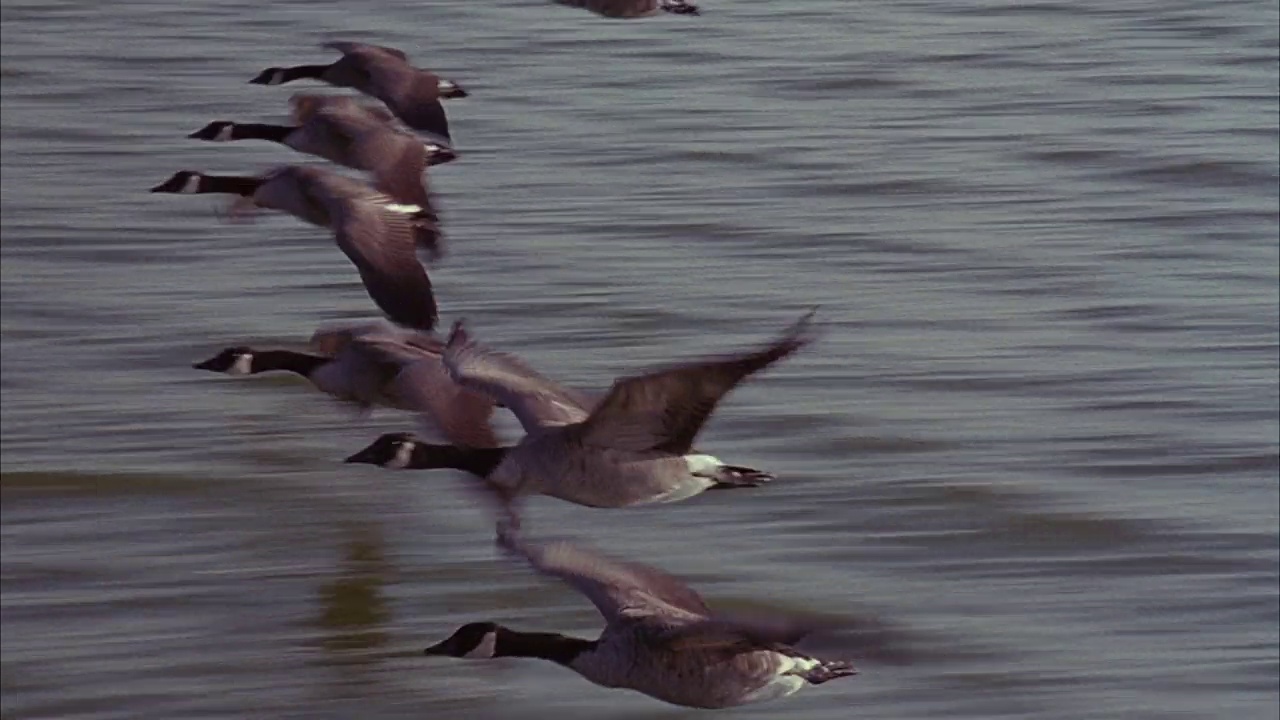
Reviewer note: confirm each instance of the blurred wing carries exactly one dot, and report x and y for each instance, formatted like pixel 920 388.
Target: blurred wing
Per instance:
pixel 417 107
pixel 614 8
pixel 350 106
pixel 725 633
pixel 321 135
pixel 398 164
pixel 536 401
pixel 365 49
pixel 331 338
pixel 863 637
pixel 613 586
pixel 461 416
pixel 381 244
pixel 398 345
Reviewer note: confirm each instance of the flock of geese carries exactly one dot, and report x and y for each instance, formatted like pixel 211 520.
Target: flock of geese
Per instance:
pixel 632 445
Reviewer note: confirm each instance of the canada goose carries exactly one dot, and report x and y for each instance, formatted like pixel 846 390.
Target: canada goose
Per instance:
pixel 632 8
pixel 376 364
pixel 660 638
pixel 376 234
pixel 633 447
pixel 341 130
pixel 381 72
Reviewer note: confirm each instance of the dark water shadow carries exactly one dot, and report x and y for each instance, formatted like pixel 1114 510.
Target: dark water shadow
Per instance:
pixel 353 611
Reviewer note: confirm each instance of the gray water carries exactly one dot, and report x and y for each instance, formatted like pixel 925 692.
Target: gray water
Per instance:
pixel 1039 436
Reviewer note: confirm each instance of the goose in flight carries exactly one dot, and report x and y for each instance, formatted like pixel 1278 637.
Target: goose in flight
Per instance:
pixel 376 364
pixel 412 94
pixel 352 134
pixel 660 637
pixel 634 446
pixel 378 235
pixel 627 9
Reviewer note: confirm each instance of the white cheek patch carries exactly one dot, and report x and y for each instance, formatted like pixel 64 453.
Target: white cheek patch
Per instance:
pixel 224 135
pixel 488 644
pixel 277 78
pixel 192 185
pixel 800 665
pixel 702 464
pixel 242 366
pixel 446 86
pixel 404 454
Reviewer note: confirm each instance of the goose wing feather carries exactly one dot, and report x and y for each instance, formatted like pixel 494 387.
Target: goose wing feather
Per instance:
pixel 663 410
pixel 536 401
pixel 616 587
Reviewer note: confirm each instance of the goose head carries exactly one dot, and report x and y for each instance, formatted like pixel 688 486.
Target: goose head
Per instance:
pixel 270 76
pixel 391 450
pixel 183 181
pixel 232 361
pixel 216 131
pixel 473 640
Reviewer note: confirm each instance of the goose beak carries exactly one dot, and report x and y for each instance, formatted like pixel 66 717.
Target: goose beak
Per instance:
pixel 365 456
pixel 203 365
pixel 437 649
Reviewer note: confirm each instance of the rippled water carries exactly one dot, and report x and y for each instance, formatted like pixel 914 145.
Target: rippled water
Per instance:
pixel 1039 437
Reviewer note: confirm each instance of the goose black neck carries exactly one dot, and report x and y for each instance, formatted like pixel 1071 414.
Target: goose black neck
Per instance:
pixel 261 131
pixel 555 647
pixel 230 184
pixel 286 360
pixel 301 72
pixel 477 461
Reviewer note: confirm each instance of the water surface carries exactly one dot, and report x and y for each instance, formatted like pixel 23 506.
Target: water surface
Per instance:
pixel 1039 436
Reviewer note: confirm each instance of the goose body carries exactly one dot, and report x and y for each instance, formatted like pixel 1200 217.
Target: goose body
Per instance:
pixel 412 94
pixel 628 9
pixel 353 135
pixel 376 364
pixel 378 235
pixel 631 447
pixel 660 637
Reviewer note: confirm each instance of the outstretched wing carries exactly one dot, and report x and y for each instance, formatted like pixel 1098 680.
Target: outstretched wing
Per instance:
pixel 664 410
pixel 380 240
pixel 381 243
